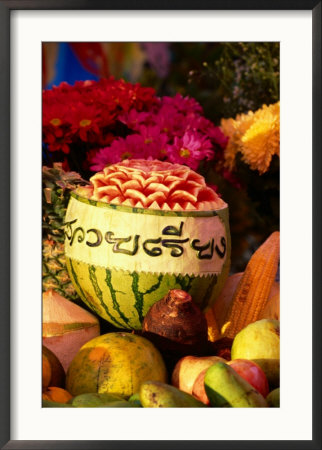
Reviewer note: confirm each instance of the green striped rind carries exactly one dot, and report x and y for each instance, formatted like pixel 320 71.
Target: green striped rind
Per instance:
pixel 123 298
pixel 154 212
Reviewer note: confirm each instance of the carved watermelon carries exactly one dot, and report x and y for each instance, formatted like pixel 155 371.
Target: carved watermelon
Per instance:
pixel 142 228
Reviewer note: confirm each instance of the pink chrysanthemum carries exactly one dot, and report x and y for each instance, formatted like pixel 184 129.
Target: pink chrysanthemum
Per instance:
pixel 150 144
pixel 190 149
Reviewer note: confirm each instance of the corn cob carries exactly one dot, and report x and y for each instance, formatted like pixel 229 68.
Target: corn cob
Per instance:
pixel 213 330
pixel 253 289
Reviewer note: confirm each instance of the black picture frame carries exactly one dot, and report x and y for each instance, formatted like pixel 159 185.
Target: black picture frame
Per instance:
pixel 6 6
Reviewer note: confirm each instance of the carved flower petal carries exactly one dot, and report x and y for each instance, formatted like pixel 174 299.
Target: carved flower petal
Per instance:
pixel 156 197
pixel 182 196
pixel 156 187
pixel 136 195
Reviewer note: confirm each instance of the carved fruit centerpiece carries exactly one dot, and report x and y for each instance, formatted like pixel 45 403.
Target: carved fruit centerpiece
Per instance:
pixel 141 228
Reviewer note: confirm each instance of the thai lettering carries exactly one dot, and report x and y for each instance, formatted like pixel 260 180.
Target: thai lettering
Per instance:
pixel 98 238
pixel 154 251
pixel 221 253
pixel 202 249
pixel 171 238
pixel 117 242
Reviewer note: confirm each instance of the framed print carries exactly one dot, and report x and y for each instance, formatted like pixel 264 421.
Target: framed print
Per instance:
pixel 190 109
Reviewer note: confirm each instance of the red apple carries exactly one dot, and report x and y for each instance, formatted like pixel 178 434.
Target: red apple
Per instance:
pixel 198 389
pixel 188 368
pixel 252 373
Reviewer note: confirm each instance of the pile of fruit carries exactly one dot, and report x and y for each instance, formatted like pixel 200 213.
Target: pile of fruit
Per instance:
pixel 188 335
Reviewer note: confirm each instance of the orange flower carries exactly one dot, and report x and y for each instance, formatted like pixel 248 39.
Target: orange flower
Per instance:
pixel 255 135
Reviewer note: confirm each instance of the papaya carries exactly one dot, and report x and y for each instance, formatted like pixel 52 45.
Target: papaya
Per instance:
pixel 115 363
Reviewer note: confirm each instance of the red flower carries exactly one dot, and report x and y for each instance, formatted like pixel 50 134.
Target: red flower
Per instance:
pixel 85 120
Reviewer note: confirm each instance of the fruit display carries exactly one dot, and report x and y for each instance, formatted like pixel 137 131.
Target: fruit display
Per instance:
pixel 177 330
pixel 147 251
pixel 141 228
pixel 170 362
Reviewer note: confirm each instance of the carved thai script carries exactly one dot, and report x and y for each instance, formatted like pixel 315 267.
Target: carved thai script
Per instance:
pixel 130 245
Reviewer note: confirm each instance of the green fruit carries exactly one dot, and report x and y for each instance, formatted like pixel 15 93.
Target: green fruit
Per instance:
pixel 154 394
pixel 120 404
pixel 135 399
pixel 93 400
pixel 121 281
pixel 49 404
pixel 115 363
pixel 273 398
pixel 260 342
pixel 225 388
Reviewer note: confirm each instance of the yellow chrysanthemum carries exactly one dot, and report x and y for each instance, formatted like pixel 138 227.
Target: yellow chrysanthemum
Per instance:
pixel 255 135
pixel 262 140
pixel 228 127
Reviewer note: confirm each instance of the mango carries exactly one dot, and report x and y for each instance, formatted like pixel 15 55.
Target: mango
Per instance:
pixel 154 394
pixel 225 388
